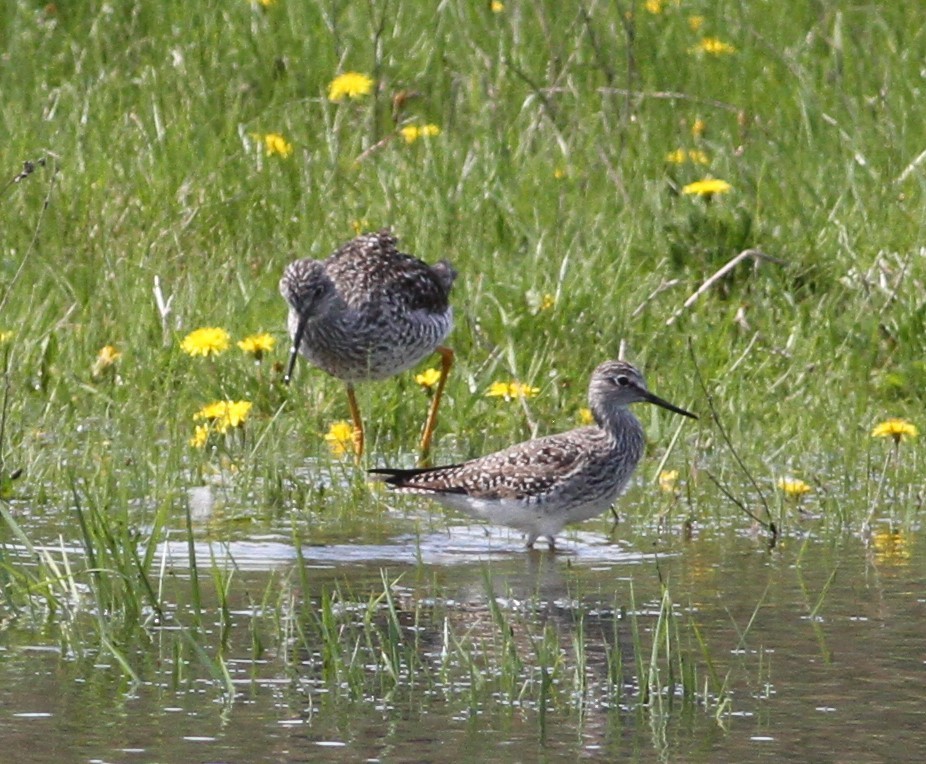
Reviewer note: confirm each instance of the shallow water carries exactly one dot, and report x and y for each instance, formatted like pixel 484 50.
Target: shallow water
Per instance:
pixel 818 645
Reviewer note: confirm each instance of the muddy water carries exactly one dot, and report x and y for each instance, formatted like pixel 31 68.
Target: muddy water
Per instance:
pixel 820 646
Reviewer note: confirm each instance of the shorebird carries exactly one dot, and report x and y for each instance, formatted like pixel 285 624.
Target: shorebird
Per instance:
pixel 541 485
pixel 368 312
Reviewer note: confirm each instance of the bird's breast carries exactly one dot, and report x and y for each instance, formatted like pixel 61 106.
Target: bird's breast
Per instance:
pixel 371 344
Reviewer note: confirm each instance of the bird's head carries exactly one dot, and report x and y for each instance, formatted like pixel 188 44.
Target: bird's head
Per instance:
pixel 307 288
pixel 616 384
pixel 310 293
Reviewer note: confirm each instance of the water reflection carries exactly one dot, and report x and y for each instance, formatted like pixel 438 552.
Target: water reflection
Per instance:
pixel 891 547
pixel 817 645
pixel 457 545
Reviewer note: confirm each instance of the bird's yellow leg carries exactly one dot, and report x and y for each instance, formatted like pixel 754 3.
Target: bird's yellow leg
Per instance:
pixel 446 358
pixel 357 422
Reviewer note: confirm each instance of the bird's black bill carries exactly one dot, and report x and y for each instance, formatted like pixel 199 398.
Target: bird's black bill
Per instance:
pixel 297 341
pixel 669 406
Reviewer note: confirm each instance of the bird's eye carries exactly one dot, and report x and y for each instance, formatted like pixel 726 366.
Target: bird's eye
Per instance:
pixel 622 380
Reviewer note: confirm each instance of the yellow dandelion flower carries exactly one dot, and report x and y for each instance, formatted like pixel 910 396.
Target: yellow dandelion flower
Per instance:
pixel 498 389
pixel 496 6
pixel 713 47
pixel 668 480
pixel 559 173
pixel 236 412
pixel 695 23
pixel 696 156
pixel 257 344
pixel 428 378
pixel 898 429
pixel 263 3
pixel 209 340
pixel 793 487
pixel 340 437
pixel 510 390
pixel 521 390
pixel 680 156
pixel 539 302
pixel 360 226
pixel 412 133
pixel 890 547
pixel 349 85
pixel 698 128
pixel 274 144
pixel 225 414
pixel 211 411
pixel 200 436
pixel 707 187
pixel 107 356
pixel 5 336
pixel 654 6
pixel 585 416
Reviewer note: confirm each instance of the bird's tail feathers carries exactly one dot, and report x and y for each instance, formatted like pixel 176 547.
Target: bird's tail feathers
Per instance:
pixel 405 478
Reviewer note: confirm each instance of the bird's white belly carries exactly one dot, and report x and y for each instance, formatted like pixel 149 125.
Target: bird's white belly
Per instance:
pixel 593 507
pixel 510 512
pixel 533 519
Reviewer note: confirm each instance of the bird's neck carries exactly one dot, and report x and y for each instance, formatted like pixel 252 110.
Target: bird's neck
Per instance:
pixel 623 428
pixel 322 328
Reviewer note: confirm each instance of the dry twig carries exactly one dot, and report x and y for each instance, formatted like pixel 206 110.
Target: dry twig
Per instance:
pixel 754 254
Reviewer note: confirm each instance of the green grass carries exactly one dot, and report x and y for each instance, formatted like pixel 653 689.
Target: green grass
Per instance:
pixel 549 176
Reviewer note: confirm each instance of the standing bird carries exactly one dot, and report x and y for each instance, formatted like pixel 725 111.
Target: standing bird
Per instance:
pixel 368 312
pixel 541 485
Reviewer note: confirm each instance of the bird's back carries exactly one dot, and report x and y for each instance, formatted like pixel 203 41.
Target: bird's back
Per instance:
pixel 369 273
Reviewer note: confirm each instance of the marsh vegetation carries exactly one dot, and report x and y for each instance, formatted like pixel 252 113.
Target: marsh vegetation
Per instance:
pixel 191 564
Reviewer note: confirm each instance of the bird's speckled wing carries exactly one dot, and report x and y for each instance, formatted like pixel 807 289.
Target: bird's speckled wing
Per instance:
pixel 369 269
pixel 524 471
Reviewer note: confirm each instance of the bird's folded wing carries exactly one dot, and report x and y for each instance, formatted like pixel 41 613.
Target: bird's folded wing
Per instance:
pixel 527 470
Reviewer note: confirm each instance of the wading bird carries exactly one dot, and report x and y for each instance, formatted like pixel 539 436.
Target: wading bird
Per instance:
pixel 544 484
pixel 368 312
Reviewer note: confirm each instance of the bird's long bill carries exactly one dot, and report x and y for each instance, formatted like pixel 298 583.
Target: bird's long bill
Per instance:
pixel 297 341
pixel 666 405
